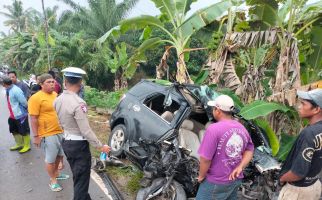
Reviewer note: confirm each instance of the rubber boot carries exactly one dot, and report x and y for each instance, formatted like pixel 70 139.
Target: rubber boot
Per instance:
pixel 19 143
pixel 26 142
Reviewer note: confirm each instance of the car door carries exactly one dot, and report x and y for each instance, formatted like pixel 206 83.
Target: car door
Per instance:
pixel 149 121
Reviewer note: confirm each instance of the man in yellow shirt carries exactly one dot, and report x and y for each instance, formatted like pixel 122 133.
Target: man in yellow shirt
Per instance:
pixel 45 126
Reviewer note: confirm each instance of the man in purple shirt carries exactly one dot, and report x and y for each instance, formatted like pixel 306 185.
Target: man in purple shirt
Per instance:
pixel 225 151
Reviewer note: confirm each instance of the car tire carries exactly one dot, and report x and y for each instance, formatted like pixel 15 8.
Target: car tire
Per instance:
pixel 117 140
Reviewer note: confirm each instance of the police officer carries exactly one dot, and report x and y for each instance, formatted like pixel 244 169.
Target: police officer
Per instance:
pixel 72 114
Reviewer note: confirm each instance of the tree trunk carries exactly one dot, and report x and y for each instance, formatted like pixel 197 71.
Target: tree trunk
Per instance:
pixel 124 83
pixel 46 32
pixel 182 72
pixel 116 82
pixel 162 69
pixel 120 80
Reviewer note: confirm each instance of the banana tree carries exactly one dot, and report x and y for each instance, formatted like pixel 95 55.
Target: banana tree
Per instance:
pixel 293 18
pixel 258 111
pixel 117 64
pixel 173 13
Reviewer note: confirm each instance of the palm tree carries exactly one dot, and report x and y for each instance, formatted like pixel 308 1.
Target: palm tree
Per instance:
pixel 95 21
pixel 17 17
pixel 101 16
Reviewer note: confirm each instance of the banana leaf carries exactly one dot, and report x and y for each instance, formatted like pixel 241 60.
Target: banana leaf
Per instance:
pixel 286 145
pixel 112 33
pixel 140 22
pixel 148 44
pixel 202 76
pixel 261 108
pixel 271 135
pixel 146 33
pixel 203 17
pixel 172 8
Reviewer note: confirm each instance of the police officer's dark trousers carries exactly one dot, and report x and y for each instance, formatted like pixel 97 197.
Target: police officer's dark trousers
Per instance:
pixel 79 158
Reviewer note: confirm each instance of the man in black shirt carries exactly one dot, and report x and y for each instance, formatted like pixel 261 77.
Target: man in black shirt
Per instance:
pixel 301 169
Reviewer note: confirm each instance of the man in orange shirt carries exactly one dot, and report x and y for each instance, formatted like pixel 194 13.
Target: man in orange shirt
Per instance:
pixel 47 131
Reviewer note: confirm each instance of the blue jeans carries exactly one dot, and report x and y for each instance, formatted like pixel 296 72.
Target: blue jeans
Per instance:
pixel 212 191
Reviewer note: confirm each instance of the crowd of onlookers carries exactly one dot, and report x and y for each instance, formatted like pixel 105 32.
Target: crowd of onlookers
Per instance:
pixel 59 124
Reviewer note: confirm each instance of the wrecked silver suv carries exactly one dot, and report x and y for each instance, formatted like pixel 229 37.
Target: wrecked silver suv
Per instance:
pixel 159 128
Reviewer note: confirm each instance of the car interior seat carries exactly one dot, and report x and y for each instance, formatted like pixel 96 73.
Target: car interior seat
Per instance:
pixel 197 126
pixel 202 132
pixel 189 139
pixel 168 116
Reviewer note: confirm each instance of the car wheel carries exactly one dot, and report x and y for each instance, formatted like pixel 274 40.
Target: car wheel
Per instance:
pixel 117 139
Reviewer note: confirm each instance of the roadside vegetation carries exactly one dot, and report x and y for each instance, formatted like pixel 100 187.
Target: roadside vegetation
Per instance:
pixel 258 52
pixel 102 99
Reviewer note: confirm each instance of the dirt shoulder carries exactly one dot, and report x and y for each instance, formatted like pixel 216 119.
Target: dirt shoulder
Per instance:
pixel 126 179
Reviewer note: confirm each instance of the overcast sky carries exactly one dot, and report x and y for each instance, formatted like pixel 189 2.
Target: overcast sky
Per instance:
pixel 145 7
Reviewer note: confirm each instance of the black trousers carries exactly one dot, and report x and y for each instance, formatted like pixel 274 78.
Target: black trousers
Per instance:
pixel 79 158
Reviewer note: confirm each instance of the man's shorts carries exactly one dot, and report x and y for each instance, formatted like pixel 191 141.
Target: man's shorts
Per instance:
pixel 51 145
pixel 291 192
pixel 19 126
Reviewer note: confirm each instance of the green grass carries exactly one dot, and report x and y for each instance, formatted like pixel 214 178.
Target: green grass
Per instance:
pixel 132 174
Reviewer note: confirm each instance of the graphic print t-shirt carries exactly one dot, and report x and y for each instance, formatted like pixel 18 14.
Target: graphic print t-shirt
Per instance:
pixel 305 158
pixel 224 144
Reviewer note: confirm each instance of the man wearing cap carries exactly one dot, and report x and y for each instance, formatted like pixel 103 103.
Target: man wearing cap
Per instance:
pixel 46 129
pixel 300 171
pixel 225 150
pixel 72 113
pixel 18 119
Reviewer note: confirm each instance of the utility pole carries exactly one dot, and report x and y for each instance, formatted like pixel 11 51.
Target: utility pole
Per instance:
pixel 46 33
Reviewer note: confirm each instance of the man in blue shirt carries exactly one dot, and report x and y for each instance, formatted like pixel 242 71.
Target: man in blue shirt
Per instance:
pixel 18 119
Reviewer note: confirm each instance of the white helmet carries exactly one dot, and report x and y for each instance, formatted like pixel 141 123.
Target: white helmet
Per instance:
pixel 73 72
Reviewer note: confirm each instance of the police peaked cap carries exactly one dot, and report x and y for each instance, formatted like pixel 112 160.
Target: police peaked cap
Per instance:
pixel 73 72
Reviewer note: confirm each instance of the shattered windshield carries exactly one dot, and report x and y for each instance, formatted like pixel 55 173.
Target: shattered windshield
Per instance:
pixel 203 93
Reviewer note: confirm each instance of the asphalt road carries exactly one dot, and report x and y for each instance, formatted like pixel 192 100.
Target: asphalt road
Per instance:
pixel 23 176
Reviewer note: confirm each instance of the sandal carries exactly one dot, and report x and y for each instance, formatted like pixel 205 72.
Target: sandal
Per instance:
pixel 55 187
pixel 62 177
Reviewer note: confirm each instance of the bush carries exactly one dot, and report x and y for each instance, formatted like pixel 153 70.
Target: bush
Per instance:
pixel 102 99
